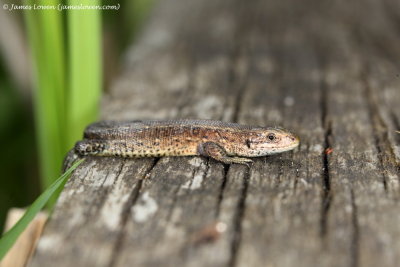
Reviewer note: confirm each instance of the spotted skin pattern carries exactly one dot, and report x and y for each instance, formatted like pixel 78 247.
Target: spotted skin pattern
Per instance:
pixel 222 141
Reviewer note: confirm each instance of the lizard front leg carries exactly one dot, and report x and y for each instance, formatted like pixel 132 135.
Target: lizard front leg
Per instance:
pixel 215 151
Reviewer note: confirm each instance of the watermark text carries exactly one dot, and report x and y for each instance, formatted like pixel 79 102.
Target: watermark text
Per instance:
pixel 59 7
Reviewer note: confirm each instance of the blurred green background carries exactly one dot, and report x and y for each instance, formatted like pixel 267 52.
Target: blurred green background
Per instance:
pixel 24 69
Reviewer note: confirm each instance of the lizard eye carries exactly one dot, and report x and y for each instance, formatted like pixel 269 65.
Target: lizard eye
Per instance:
pixel 271 136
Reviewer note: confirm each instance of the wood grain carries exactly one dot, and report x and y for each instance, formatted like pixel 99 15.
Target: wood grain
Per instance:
pixel 327 70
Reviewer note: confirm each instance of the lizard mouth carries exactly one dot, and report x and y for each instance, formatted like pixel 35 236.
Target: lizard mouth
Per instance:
pixel 295 142
pixel 290 143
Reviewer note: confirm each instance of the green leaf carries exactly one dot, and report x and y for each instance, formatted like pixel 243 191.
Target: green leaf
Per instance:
pixel 85 68
pixel 9 238
pixel 45 29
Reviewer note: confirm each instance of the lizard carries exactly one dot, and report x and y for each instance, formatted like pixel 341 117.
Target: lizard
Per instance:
pixel 223 141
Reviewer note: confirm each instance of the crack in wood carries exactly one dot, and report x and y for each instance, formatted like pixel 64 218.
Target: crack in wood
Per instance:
pixel 380 158
pixel 126 212
pixel 379 130
pixel 237 221
pixel 326 179
pixel 327 193
pixel 222 189
pixel 355 239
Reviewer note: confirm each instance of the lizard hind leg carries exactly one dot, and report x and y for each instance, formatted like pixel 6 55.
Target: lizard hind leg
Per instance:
pixel 215 151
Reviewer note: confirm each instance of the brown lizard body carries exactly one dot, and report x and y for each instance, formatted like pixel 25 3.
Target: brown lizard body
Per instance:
pixel 225 142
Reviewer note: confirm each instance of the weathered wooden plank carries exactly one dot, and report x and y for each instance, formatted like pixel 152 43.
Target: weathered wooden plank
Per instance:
pixel 187 81
pixel 83 229
pixel 282 223
pixel 196 198
pixel 326 70
pixel 356 172
pixel 178 79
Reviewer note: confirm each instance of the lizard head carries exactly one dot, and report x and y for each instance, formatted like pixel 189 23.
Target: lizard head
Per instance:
pixel 268 141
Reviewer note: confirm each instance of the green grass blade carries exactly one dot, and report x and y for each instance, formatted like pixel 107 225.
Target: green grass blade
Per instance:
pixel 85 67
pixel 45 32
pixel 9 238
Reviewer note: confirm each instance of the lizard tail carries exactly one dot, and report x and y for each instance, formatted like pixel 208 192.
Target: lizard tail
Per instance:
pixel 89 147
